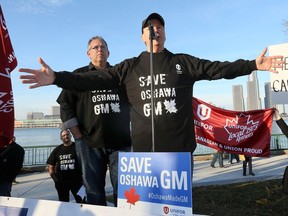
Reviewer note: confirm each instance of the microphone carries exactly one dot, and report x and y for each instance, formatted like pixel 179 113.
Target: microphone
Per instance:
pixel 152 32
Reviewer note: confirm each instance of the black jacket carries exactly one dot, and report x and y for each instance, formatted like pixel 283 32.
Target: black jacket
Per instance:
pixel 174 77
pixel 11 161
pixel 103 115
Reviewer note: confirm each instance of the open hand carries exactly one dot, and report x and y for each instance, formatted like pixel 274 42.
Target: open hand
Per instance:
pixel 269 63
pixel 41 77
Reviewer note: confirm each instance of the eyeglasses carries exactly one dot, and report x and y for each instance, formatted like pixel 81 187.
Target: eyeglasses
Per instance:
pixel 97 47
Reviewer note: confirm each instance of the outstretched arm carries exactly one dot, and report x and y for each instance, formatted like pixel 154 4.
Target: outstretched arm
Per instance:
pixel 41 77
pixel 269 63
pixel 281 123
pixel 104 79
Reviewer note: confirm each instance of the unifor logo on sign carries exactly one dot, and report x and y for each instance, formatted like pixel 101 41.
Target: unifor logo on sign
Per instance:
pixel 203 112
pixel 166 209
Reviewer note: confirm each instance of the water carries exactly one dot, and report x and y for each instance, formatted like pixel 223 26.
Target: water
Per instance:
pixel 51 136
pixel 37 136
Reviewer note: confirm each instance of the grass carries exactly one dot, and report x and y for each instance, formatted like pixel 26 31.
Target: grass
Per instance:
pixel 251 198
pixel 258 198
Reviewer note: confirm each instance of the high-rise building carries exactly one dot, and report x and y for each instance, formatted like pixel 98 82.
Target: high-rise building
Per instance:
pixel 253 96
pixel 55 110
pixel 267 98
pixel 29 116
pixel 238 99
pixel 55 113
pixel 35 115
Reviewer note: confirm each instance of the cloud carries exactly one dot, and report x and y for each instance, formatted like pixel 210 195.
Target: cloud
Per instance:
pixel 40 6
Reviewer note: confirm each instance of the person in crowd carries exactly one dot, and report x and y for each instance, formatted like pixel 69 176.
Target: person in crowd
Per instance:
pixel 64 169
pixel 15 181
pixel 11 163
pixel 280 122
pixel 233 156
pixel 247 160
pixel 173 79
pixel 99 121
pixel 218 155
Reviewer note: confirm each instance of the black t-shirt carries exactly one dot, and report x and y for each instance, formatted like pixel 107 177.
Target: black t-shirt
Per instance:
pixel 64 159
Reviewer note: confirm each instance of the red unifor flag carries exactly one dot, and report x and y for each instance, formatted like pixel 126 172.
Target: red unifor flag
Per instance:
pixel 238 132
pixel 7 63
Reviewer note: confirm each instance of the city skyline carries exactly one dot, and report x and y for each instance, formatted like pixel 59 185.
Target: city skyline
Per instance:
pixel 253 99
pixel 55 113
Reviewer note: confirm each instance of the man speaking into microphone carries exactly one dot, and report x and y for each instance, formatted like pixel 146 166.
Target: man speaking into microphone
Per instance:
pixel 173 78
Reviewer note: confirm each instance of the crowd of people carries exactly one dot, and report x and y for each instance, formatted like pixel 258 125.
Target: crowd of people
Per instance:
pixel 101 128
pixel 219 155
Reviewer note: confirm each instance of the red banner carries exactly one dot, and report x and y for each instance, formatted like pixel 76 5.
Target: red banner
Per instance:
pixel 8 63
pixel 238 132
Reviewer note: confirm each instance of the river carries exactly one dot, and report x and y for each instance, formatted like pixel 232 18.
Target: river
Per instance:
pixel 51 136
pixel 37 136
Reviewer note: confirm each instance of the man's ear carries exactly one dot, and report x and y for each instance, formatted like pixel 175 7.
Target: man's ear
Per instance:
pixel 142 38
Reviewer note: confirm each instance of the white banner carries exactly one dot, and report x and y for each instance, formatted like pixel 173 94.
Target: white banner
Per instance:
pixel 33 207
pixel 279 82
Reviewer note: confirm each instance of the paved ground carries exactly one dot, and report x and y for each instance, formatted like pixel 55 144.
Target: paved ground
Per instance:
pixel 264 169
pixel 40 186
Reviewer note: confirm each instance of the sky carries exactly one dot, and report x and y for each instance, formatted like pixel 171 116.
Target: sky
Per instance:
pixel 58 31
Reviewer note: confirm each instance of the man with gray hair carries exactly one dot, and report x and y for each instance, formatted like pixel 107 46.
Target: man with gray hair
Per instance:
pixel 99 121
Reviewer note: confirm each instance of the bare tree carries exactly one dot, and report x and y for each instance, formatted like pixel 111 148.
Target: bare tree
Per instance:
pixel 285 24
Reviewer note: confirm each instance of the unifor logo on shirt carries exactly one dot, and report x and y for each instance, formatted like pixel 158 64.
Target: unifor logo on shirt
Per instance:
pixel 178 69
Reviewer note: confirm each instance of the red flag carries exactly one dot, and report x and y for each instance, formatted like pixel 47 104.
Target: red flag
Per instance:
pixel 238 132
pixel 8 62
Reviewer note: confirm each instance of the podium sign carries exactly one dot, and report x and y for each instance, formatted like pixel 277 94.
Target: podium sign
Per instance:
pixel 155 183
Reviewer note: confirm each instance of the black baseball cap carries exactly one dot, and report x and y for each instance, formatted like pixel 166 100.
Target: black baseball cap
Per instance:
pixel 152 16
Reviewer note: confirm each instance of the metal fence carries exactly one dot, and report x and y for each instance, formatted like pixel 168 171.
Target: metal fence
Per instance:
pixel 278 142
pixel 37 155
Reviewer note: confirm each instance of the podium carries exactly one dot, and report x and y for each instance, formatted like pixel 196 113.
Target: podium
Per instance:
pixel 155 183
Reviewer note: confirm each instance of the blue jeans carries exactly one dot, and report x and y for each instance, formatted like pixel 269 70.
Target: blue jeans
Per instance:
pixel 218 155
pixel 94 162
